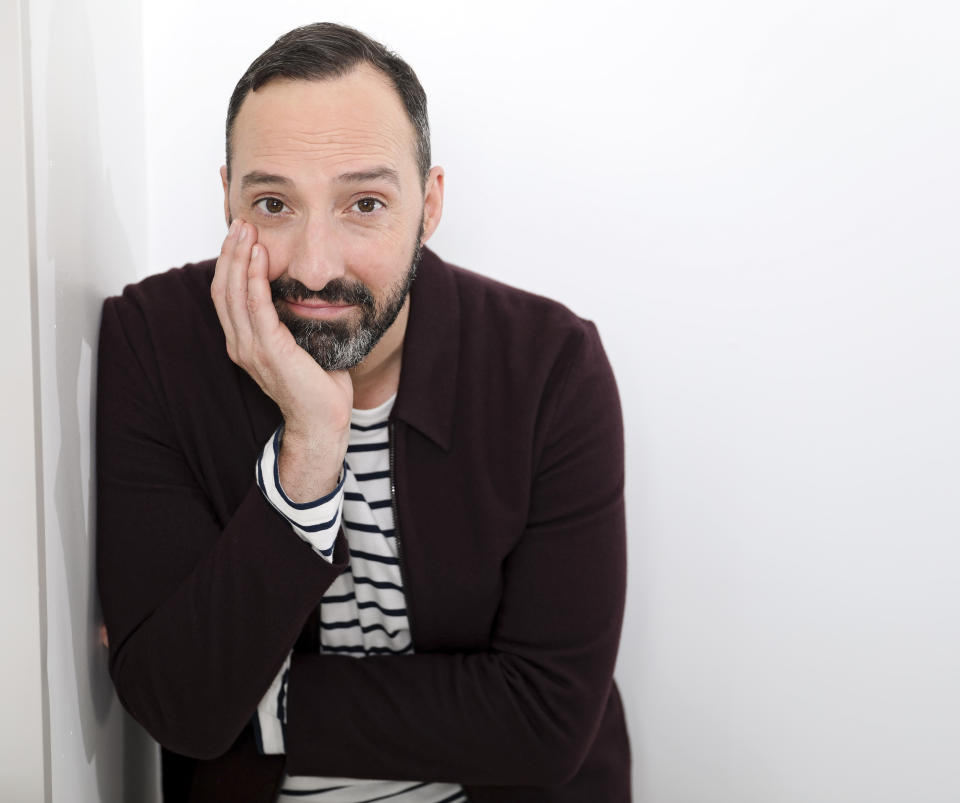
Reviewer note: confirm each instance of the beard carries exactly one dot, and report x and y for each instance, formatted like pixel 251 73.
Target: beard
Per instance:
pixel 337 345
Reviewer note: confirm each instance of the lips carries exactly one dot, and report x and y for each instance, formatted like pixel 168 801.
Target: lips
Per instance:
pixel 314 308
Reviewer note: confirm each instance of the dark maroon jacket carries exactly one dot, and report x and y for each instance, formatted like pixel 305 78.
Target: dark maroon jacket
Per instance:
pixel 508 465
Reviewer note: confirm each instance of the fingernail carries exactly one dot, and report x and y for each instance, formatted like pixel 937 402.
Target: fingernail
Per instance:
pixel 233 227
pixel 255 252
pixel 243 232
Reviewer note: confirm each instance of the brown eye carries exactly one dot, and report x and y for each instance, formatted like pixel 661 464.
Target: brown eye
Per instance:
pixel 272 206
pixel 367 205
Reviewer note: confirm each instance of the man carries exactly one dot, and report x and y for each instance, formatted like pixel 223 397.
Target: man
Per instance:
pixel 331 445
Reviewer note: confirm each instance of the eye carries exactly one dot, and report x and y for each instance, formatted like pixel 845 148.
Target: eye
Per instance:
pixel 367 206
pixel 271 206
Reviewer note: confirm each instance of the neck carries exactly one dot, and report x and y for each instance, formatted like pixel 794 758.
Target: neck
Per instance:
pixel 377 378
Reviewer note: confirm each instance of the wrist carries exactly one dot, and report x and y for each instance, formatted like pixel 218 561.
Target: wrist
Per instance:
pixel 308 468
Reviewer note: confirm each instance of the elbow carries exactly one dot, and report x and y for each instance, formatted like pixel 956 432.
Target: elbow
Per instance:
pixel 553 749
pixel 195 724
pixel 203 746
pixel 554 762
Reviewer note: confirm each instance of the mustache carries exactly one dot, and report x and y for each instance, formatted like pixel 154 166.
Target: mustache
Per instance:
pixel 336 291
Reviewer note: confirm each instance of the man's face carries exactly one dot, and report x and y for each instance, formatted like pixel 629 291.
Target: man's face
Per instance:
pixel 327 172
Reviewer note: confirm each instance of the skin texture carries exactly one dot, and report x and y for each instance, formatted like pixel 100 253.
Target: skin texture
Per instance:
pixel 323 186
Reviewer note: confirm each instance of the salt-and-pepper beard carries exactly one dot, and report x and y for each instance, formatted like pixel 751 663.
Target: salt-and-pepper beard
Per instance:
pixel 336 345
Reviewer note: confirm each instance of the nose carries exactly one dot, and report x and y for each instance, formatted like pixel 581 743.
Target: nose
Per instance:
pixel 317 256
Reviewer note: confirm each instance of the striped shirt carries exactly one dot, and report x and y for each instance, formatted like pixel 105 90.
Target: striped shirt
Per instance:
pixel 364 611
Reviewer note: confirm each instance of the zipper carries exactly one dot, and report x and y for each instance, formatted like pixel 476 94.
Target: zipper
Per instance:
pixel 396 530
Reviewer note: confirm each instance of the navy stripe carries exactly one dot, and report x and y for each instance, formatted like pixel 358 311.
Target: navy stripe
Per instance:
pixel 372 628
pixel 339 625
pixel 356 553
pixel 314 528
pixel 347 648
pixel 305 792
pixel 260 482
pixel 355 497
pixel 455 796
pixel 257 736
pixel 378 606
pixel 282 708
pixel 356 623
pixel 311 528
pixel 367 528
pixel 368 447
pixel 367 428
pixel 373 475
pixel 378 583
pixel 327 552
pixel 338 598
pixel 358 649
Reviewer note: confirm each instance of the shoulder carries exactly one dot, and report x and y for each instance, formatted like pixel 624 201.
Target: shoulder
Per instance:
pixel 512 355
pixel 169 296
pixel 173 307
pixel 495 317
pixel 167 323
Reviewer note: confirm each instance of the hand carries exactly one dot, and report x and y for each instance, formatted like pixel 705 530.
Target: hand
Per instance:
pixel 315 403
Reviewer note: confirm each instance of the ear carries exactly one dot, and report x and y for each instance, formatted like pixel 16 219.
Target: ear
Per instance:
pixel 226 193
pixel 432 203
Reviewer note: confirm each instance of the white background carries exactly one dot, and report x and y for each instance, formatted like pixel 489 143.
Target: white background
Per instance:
pixel 757 203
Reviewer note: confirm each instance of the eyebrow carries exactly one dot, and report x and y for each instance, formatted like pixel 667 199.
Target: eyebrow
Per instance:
pixel 387 174
pixel 257 177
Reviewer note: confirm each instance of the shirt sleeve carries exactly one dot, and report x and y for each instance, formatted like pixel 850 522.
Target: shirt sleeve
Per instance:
pixel 271 717
pixel 316 522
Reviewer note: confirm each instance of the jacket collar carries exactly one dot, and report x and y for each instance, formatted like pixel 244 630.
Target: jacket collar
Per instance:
pixel 431 349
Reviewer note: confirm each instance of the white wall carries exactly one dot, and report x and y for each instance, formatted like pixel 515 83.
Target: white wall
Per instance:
pixel 22 753
pixel 91 224
pixel 757 202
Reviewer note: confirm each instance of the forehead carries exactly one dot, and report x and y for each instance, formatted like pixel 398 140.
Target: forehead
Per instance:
pixel 337 123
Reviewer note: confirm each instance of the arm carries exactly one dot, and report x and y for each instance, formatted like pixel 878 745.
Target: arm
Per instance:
pixel 198 621
pixel 523 711
pixel 204 595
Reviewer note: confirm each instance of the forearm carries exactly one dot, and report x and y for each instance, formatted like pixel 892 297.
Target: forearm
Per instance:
pixel 193 670
pixel 523 710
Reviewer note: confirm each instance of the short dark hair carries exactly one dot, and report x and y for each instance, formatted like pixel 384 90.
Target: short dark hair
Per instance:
pixel 327 50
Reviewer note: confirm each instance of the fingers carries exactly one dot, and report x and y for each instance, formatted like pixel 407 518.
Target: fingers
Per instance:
pixel 262 314
pixel 229 287
pixel 218 286
pixel 236 281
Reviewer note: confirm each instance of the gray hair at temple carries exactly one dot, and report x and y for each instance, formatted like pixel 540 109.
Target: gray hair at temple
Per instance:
pixel 327 50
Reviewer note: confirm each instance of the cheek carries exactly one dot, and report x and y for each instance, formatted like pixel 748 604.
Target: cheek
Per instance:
pixel 379 249
pixel 378 261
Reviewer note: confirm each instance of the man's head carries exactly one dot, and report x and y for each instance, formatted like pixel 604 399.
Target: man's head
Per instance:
pixel 326 50
pixel 328 155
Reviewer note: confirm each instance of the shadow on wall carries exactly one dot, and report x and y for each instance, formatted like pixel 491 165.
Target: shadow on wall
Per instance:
pixel 89 255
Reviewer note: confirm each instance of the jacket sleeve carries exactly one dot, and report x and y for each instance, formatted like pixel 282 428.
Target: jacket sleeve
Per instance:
pixel 202 604
pixel 525 710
